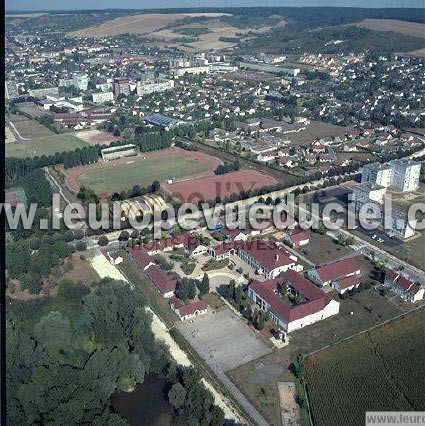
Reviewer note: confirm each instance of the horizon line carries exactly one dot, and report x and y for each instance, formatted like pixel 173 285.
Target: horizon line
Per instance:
pixel 24 11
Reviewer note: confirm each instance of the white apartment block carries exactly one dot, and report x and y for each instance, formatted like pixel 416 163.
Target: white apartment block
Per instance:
pixel 406 174
pixel 400 174
pixel 81 81
pixel 369 204
pixel 102 97
pixel 147 87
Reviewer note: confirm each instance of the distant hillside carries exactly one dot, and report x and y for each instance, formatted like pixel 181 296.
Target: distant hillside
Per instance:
pixel 412 29
pixel 298 17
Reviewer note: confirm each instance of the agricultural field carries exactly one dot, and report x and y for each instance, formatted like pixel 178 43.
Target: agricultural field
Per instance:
pixel 413 29
pixel 145 23
pixel 317 130
pixel 29 129
pixel 116 176
pixel 380 370
pixel 46 145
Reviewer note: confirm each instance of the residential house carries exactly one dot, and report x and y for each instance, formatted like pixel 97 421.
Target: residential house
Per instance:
pixel 190 310
pixel 404 287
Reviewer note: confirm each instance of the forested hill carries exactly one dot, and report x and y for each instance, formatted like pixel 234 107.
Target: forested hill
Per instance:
pixel 240 17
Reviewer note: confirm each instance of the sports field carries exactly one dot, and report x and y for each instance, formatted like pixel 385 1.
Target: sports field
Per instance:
pixel 46 145
pixel 116 176
pixel 208 188
pixel 381 370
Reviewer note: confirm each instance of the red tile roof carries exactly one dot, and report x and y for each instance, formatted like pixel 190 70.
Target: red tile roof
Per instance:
pixel 160 279
pixel 316 298
pixel 299 234
pixel 336 270
pixel 223 248
pixel 267 255
pixel 141 257
pixel 349 282
pixel 406 284
pixel 191 308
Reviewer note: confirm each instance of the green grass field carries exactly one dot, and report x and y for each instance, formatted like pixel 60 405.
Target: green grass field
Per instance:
pixel 141 172
pixel 381 370
pixel 31 129
pixel 44 146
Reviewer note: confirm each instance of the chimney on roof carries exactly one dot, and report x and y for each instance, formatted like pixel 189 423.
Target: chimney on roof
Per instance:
pixel 276 257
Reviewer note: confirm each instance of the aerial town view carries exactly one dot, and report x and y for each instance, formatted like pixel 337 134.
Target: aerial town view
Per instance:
pixel 214 213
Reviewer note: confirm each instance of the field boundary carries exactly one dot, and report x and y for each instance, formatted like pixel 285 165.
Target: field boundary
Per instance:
pixel 405 314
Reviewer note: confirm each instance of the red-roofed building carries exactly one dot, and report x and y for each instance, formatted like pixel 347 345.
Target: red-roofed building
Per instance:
pixel 267 259
pixel 159 278
pixel 222 251
pixel 335 271
pixel 141 257
pixel 191 310
pixel 346 284
pixel 193 245
pixel 315 305
pixel 298 237
pixel 404 287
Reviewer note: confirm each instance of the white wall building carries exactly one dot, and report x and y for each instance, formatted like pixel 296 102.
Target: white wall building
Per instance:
pixel 81 81
pixel 159 85
pixel 102 97
pixel 401 174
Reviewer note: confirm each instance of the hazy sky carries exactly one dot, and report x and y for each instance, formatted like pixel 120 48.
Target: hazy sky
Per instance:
pixel 147 4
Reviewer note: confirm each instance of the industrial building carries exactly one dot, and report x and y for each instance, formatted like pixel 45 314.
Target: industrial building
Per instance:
pixel 163 121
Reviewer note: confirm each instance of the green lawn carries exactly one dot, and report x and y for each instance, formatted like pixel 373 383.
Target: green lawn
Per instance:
pixel 141 172
pixel 46 145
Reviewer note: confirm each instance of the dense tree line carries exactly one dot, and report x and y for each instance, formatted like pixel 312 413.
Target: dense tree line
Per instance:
pixel 193 404
pixel 227 168
pixel 31 260
pixel 37 188
pixel 16 168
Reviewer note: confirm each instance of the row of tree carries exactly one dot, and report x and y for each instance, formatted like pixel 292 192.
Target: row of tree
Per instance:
pixel 227 168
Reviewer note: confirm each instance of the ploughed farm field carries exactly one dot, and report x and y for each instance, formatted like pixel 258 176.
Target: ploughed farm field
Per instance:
pixel 381 370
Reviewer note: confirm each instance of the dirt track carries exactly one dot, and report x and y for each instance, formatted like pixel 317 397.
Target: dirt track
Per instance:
pixel 209 188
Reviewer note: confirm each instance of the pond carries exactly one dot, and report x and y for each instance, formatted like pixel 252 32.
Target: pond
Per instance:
pixel 146 405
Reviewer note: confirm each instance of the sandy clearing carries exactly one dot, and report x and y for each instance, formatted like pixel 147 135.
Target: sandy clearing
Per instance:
pixel 10 137
pixel 413 29
pixel 145 23
pixel 93 137
pixel 106 269
pixel 289 408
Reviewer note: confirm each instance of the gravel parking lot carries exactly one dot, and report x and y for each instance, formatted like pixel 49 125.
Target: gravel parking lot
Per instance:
pixel 223 339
